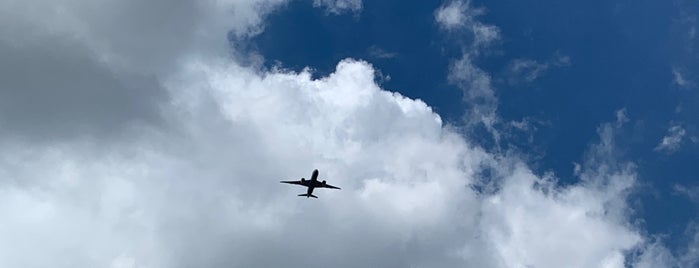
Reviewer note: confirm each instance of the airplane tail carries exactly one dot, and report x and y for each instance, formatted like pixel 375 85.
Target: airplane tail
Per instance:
pixel 308 195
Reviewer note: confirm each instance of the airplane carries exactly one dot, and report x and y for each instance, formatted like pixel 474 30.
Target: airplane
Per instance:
pixel 311 184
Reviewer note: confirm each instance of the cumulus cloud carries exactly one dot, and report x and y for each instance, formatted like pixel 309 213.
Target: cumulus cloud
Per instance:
pixel 530 210
pixel 672 140
pixel 207 193
pixel 339 6
pixel 76 70
pixel 204 191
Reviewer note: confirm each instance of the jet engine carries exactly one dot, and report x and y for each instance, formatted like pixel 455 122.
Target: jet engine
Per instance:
pixel 303 179
pixel 323 182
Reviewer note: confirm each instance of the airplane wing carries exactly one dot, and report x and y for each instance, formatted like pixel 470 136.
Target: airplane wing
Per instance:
pixel 294 182
pixel 329 186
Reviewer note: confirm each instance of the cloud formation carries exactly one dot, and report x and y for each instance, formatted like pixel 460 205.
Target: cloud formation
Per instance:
pixel 200 188
pixel 527 70
pixel 457 17
pixel 379 53
pixel 207 194
pixel 680 79
pixel 672 140
pixel 452 15
pixel 460 15
pixel 77 70
pixel 339 6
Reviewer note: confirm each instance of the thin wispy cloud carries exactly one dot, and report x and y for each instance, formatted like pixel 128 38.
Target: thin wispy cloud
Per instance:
pixel 380 53
pixel 672 141
pixel 622 117
pixel 339 6
pixel 460 15
pixel 479 94
pixel 527 70
pixel 680 79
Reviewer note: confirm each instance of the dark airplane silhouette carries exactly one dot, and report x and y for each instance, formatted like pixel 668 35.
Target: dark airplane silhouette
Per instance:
pixel 311 184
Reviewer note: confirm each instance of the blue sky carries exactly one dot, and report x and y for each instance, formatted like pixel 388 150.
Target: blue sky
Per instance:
pixel 462 133
pixel 623 55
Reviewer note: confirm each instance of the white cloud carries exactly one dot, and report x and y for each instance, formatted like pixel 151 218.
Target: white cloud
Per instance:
pixel 484 35
pixel 480 96
pixel 680 79
pixel 126 34
pixel 80 69
pixel 654 254
pixel 207 194
pixel 458 15
pixel 529 70
pixel 621 117
pixel 452 15
pixel 478 93
pixel 672 140
pixel 530 214
pixel 339 6
pixel 527 225
pixel 201 188
pixel 379 53
pixel 690 256
pixel 690 192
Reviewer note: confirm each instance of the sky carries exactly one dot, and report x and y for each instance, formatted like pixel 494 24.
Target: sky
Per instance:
pixel 462 133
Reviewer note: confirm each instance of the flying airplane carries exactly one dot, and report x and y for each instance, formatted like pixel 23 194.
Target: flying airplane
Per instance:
pixel 311 184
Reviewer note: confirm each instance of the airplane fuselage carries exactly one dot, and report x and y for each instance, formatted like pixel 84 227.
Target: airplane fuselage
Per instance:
pixel 311 185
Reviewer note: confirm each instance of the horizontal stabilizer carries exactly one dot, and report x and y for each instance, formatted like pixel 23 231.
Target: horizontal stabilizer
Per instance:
pixel 308 195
